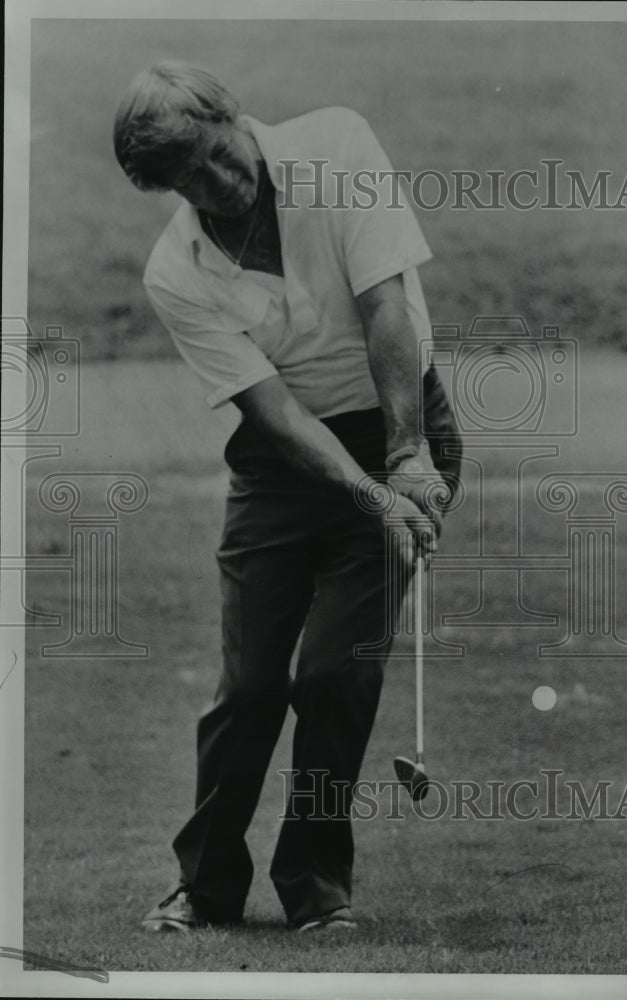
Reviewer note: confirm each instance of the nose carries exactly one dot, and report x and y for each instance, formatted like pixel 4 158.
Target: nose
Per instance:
pixel 218 174
pixel 218 180
pixel 208 186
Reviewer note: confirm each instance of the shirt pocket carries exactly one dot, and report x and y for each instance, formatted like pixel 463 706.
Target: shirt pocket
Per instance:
pixel 273 331
pixel 234 303
pixel 245 303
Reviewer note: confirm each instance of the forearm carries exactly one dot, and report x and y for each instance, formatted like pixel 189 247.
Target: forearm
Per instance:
pixel 392 347
pixel 394 363
pixel 311 447
pixel 303 441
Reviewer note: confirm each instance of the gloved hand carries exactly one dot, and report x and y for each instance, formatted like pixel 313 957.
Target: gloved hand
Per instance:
pixel 413 475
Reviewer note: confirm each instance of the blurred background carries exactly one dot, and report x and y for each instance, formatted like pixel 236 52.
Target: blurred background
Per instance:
pixel 439 95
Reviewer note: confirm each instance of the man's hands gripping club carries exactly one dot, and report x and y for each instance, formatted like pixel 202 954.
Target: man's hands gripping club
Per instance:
pixel 311 447
pixel 420 495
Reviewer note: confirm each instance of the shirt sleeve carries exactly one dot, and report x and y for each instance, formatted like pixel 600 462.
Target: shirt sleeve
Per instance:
pixel 228 361
pixel 379 240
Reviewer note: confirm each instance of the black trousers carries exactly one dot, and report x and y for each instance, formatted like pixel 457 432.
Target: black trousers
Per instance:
pixel 293 554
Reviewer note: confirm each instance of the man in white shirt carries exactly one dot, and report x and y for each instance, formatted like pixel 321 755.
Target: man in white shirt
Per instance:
pixel 299 302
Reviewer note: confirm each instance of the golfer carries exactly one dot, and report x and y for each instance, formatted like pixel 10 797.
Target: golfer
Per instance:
pixel 292 292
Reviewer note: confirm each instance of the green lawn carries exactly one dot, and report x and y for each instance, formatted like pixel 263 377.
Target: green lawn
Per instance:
pixel 110 744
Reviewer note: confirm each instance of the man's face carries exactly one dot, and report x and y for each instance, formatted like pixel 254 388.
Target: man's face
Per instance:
pixel 222 176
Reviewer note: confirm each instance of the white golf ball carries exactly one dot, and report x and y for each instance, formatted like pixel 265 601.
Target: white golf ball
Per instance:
pixel 544 698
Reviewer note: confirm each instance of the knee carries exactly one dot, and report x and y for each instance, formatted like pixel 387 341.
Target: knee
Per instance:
pixel 358 680
pixel 251 692
pixel 252 707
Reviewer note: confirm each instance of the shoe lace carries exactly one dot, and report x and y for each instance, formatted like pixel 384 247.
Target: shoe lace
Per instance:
pixel 182 887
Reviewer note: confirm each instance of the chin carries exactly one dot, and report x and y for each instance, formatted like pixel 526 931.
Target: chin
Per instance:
pixel 242 204
pixel 233 208
pixel 236 211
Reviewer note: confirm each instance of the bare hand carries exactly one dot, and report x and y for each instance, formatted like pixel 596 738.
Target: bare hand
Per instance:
pixel 419 537
pixel 417 479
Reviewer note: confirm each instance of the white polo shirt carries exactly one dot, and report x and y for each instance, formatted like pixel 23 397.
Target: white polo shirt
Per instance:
pixel 238 327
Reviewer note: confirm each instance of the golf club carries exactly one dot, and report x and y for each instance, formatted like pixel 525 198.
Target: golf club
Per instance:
pixel 410 773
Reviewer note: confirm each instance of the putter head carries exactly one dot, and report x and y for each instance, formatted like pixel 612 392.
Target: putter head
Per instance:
pixel 412 776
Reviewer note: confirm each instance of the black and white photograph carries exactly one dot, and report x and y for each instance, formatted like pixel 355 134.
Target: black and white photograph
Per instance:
pixel 314 499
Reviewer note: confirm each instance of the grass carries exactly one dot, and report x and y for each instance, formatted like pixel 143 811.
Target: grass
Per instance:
pixel 445 96
pixel 110 744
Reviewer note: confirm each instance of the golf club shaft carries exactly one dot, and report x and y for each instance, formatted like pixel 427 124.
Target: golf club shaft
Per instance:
pixel 418 661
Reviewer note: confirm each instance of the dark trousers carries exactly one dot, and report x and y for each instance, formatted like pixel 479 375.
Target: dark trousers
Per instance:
pixel 293 554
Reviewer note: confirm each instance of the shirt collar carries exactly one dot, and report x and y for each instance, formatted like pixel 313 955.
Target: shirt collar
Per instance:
pixel 266 139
